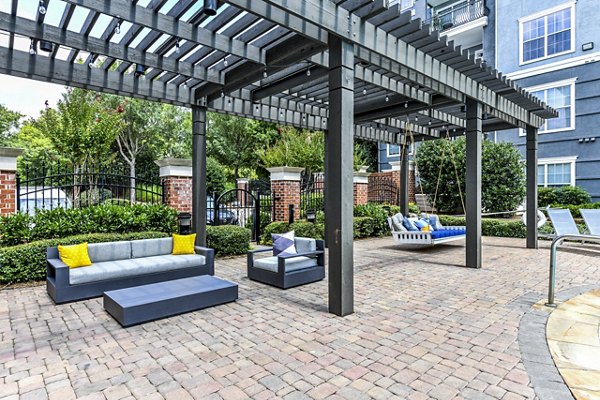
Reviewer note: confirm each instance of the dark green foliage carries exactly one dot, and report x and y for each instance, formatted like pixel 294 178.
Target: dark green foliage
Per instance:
pixel 491 227
pixel 377 213
pixel 413 208
pixel 575 208
pixel 27 262
pixel 364 227
pixel 546 196
pixel 49 224
pixel 503 178
pixel 572 195
pixel 316 201
pixel 300 228
pixel 215 176
pixel 228 240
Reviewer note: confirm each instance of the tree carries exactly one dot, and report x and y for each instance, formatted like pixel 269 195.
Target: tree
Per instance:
pixel 9 124
pixel 234 141
pixel 295 148
pixel 441 169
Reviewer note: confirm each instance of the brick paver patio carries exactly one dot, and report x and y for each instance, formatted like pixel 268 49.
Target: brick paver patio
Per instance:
pixel 423 328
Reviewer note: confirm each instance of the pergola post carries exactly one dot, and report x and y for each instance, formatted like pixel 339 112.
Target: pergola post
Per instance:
pixel 199 174
pixel 339 170
pixel 473 183
pixel 532 187
pixel 404 179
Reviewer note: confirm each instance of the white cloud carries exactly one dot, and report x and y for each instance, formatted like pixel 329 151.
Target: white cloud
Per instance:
pixel 27 96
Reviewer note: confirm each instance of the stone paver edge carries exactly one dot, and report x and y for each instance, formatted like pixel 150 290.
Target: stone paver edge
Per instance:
pixel 546 381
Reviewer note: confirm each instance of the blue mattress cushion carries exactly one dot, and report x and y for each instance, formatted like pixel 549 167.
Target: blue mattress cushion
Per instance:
pixel 447 232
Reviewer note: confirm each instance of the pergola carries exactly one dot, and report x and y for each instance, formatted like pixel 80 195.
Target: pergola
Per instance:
pixel 353 68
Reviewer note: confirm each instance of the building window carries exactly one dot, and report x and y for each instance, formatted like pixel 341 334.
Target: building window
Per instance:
pixel 393 150
pixel 548 34
pixel 561 97
pixel 556 172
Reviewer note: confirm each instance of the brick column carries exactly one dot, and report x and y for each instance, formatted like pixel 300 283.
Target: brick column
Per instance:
pixel 176 175
pixel 361 188
pixel 242 183
pixel 285 188
pixel 8 180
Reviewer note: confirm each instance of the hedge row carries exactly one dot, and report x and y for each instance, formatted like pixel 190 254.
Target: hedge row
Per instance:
pixel 59 223
pixel 575 208
pixel 228 240
pixel 491 227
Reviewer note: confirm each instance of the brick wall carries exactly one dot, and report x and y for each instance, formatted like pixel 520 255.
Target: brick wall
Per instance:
pixel 178 192
pixel 285 193
pixel 394 177
pixel 8 192
pixel 361 193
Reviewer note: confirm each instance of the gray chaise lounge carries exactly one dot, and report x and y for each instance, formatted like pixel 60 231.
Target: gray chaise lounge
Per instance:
pixel 289 270
pixel 117 265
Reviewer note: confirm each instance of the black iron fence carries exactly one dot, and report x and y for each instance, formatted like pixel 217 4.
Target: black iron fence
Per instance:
pixel 383 190
pixel 312 193
pixel 457 14
pixel 56 185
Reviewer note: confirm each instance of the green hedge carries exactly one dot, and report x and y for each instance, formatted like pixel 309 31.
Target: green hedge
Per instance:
pixel 27 262
pixel 491 227
pixel 300 228
pixel 575 208
pixel 228 240
pixel 573 195
pixel 60 222
pixel 364 227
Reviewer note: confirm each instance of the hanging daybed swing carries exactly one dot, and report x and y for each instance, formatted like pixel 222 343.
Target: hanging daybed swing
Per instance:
pixel 427 230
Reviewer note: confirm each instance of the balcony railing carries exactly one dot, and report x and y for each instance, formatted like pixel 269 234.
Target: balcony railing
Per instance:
pixel 456 15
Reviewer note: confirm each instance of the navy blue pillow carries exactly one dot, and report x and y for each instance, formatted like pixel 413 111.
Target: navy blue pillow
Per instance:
pixel 408 224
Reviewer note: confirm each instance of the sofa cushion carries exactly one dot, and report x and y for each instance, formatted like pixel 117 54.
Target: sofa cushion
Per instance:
pixel 292 264
pixel 75 256
pixel 133 267
pixel 447 232
pixel 110 251
pixel 151 247
pixel 305 245
pixel 397 222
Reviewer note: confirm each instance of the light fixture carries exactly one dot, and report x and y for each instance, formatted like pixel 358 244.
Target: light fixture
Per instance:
pixel 222 93
pixel 91 62
pixel 225 62
pixel 429 123
pixel 387 98
pixel 118 28
pixel 210 7
pixel 229 100
pixel 177 49
pixel 406 105
pixel 42 7
pixel 185 85
pixel 308 72
pixel 265 74
pixel 31 48
pixel 140 71
pixel 365 91
pixel 257 108
pixel 416 118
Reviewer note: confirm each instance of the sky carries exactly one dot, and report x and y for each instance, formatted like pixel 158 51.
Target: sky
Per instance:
pixel 28 96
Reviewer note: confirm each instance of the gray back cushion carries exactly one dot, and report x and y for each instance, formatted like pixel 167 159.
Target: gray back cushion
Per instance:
pixel 305 245
pixel 151 247
pixel 110 251
pixel 397 223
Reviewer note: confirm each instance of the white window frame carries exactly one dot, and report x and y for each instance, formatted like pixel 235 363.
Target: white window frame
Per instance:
pixel 557 160
pixel 544 13
pixel 387 150
pixel 551 85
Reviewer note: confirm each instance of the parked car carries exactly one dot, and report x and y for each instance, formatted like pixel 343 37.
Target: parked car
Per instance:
pixel 37 198
pixel 226 217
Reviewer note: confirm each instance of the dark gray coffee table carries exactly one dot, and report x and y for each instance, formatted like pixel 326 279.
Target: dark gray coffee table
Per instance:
pixel 139 304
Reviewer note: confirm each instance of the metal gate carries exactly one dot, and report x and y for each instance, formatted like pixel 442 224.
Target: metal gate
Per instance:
pixel 383 190
pixel 237 207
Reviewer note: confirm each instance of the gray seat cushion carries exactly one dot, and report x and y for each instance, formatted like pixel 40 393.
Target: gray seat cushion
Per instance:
pixel 292 264
pixel 133 267
pixel 305 245
pixel 151 247
pixel 100 252
pixel 397 223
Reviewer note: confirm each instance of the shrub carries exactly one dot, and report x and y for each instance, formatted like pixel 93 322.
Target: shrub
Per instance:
pixel 363 227
pixel 61 222
pixel 413 208
pixel 503 178
pixel 377 213
pixel 491 227
pixel 27 262
pixel 228 240
pixel 300 228
pixel 546 196
pixel 146 193
pixel 575 208
pixel 572 195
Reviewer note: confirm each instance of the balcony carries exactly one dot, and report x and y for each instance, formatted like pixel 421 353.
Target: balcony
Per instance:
pixel 457 14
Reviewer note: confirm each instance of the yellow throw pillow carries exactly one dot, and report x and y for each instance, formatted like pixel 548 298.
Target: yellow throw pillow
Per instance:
pixel 183 244
pixel 75 256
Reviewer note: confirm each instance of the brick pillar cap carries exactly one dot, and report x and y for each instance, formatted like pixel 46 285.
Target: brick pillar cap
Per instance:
pixel 174 167
pixel 243 180
pixel 8 158
pixel 285 173
pixel 361 177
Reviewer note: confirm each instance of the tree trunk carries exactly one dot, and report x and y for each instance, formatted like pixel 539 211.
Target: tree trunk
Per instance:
pixel 132 181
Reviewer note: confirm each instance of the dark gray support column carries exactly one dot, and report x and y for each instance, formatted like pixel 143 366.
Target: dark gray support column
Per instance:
pixel 340 175
pixel 404 174
pixel 532 188
pixel 473 183
pixel 199 174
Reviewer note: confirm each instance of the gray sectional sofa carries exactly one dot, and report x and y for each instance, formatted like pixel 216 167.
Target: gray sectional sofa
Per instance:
pixel 117 265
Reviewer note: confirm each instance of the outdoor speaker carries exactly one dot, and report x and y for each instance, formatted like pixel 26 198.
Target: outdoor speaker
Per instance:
pixel 46 46
pixel 210 7
pixel 139 70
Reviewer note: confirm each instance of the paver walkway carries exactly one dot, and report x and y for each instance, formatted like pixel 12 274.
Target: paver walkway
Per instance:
pixel 424 328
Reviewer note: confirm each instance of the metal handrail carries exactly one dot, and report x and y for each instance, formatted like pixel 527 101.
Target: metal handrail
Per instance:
pixel 555 243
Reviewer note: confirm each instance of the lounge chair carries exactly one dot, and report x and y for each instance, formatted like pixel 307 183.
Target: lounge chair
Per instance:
pixel 592 220
pixel 562 221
